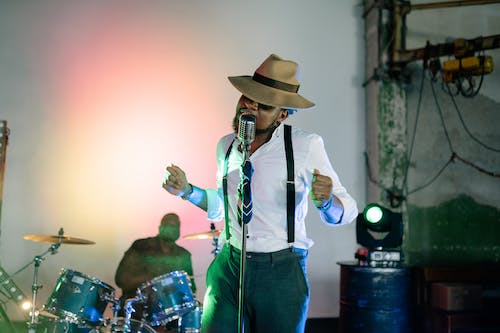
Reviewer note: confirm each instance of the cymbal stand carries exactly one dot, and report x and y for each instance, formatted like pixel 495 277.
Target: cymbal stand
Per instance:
pixel 34 288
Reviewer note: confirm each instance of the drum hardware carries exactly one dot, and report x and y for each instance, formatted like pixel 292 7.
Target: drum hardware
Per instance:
pixel 129 309
pixel 213 233
pixel 56 241
pixel 116 310
pixel 127 324
pixel 47 315
pixel 133 326
pixel 34 288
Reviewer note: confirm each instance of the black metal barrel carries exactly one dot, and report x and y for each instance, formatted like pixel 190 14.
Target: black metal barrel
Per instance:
pixel 375 299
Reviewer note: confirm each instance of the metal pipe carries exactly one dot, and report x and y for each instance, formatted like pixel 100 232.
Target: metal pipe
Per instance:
pixel 446 4
pixel 397 32
pixel 439 50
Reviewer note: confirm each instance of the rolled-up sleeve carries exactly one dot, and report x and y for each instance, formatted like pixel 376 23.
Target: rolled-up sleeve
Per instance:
pixel 215 198
pixel 215 205
pixel 350 210
pixel 318 159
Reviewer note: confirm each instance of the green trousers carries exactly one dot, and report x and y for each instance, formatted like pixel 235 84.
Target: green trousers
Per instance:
pixel 276 292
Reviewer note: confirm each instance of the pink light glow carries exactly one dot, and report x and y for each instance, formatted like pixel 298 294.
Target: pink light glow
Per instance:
pixel 128 97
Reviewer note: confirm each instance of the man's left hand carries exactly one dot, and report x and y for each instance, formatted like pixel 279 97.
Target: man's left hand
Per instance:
pixel 321 187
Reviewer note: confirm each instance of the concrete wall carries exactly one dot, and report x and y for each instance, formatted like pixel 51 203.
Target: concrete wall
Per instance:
pixel 454 209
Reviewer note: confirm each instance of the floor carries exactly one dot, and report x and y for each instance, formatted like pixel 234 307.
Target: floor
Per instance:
pixel 322 325
pixel 313 325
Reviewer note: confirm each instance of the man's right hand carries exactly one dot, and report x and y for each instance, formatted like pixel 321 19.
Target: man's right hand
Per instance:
pixel 175 181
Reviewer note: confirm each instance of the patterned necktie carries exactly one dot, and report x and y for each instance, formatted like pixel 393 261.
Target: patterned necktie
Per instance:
pixel 245 193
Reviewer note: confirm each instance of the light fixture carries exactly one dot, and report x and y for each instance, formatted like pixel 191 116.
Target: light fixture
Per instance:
pixel 380 231
pixel 378 228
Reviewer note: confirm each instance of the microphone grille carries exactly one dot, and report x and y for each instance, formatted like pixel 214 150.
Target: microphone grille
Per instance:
pixel 246 128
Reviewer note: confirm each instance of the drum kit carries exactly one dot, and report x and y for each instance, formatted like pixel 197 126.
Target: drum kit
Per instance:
pixel 78 301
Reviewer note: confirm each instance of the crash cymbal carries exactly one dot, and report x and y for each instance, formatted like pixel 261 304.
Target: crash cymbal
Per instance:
pixel 55 239
pixel 203 235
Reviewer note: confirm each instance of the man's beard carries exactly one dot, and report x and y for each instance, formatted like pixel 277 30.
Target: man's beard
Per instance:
pixel 270 129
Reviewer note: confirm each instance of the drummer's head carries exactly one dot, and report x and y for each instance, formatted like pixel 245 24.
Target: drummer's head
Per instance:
pixel 169 229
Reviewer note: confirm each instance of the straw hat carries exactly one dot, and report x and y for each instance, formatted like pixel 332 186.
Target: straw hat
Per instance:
pixel 273 83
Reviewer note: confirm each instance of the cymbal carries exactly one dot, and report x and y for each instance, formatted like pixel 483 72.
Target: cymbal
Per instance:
pixel 55 239
pixel 203 235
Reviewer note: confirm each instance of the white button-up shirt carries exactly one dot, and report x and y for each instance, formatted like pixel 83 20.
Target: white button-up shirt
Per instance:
pixel 267 230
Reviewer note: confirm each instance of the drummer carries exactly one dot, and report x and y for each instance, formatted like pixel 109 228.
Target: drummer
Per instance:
pixel 150 257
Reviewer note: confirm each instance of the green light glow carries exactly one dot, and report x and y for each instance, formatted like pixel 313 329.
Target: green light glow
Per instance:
pixel 373 214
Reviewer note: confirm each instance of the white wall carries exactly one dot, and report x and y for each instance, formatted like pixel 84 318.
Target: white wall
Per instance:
pixel 100 96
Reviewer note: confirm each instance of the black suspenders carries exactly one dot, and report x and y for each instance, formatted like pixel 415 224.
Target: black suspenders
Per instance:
pixel 290 187
pixel 224 191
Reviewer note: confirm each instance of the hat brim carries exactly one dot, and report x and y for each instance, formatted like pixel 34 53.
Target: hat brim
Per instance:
pixel 268 95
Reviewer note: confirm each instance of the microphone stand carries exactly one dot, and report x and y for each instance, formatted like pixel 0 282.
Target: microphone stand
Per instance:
pixel 241 286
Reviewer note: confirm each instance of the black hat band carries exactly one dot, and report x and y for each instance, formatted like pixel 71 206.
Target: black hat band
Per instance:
pixel 275 84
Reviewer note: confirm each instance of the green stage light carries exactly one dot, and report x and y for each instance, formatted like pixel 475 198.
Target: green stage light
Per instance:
pixel 378 218
pixel 373 213
pixel 385 223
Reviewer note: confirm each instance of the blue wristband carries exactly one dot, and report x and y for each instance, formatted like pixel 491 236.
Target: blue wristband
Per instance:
pixel 187 194
pixel 325 204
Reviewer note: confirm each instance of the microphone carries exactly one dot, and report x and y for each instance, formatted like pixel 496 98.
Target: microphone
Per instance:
pixel 246 135
pixel 246 130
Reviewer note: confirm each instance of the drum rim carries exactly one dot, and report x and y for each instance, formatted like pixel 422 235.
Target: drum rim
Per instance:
pixel 176 273
pixel 122 319
pixel 72 318
pixel 93 279
pixel 171 313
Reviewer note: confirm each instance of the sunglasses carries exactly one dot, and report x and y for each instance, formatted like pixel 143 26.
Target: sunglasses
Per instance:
pixel 265 107
pixel 261 106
